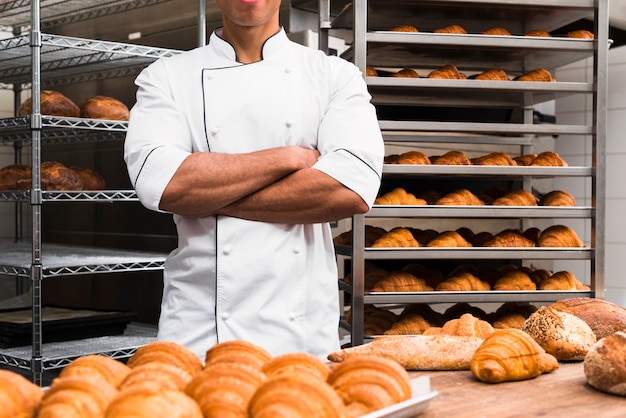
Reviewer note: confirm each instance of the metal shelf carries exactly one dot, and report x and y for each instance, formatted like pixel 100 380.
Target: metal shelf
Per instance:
pixel 96 196
pixel 62 260
pixel 58 130
pixel 67 60
pixel 478 170
pixel 488 211
pixel 16 13
pixel 60 354
pixel 486 128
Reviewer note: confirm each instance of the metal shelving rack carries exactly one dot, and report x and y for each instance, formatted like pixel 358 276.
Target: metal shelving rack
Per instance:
pixel 30 61
pixel 373 44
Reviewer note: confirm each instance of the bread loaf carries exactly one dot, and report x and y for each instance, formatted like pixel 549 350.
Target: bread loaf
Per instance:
pixel 91 179
pixel 54 176
pixel 604 317
pixel 52 103
pixel 12 174
pixel 104 107
pixel 605 364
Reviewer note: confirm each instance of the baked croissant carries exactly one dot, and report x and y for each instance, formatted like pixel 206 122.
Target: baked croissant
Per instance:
pixel 238 351
pixel 548 159
pixel 423 236
pixel 539 74
pixel 448 72
pixel 538 33
pixel 148 401
pixel 378 322
pixel 562 280
pixel 299 362
pixel 582 33
pixel 493 74
pixel 167 352
pixel 408 324
pixel 19 397
pixel 515 280
pixel 497 31
pixel 510 355
pixel 467 325
pixel 494 158
pixel 457 29
pixel 406 73
pixel 113 371
pixel 77 396
pixel 518 197
pixel 404 28
pixel 168 376
pixel 448 239
pixel 461 197
pixel 413 157
pixel 461 283
pixel 372 233
pixel 525 160
pixel 557 198
pixel 399 196
pixel 396 237
pixel 509 238
pixel 369 382
pixel 559 236
pixel 401 281
pixel 370 71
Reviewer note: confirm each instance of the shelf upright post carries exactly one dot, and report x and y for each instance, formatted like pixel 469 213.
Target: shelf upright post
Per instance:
pixel 324 25
pixel 358 280
pixel 360 34
pixel 201 23
pixel 598 162
pixel 35 192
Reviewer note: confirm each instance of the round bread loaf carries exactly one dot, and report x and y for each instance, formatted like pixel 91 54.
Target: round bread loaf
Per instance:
pixel 91 179
pixel 54 176
pixel 11 174
pixel 604 317
pixel 104 107
pixel 53 103
pixel 605 364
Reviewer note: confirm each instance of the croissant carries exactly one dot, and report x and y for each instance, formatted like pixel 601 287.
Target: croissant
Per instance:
pixel 494 158
pixel 538 276
pixel 372 233
pixel 19 397
pixel 418 352
pixel 565 336
pixel 425 311
pixel 582 33
pixel 413 157
pixel 225 387
pixel 497 31
pixel 406 73
pixel 370 71
pixel 167 352
pixel 559 236
pixel 411 323
pixel 525 160
pixel 292 395
pixel 451 29
pixel 467 325
pixel 401 281
pixel 515 280
pixel 518 197
pixel 404 28
pixel 424 236
pixel 538 33
pixel 509 320
pixel 532 234
pixel 509 238
pixel 448 239
pixel 168 376
pixel 399 196
pixel 113 371
pixel 148 401
pixel 510 355
pixel 305 363
pixel 557 198
pixel 549 159
pixel 448 72
pixel 397 237
pixel 539 74
pixel 461 197
pixel 562 280
pixel 493 74
pixel 461 283
pixel 368 383
pixel 77 396
pixel 238 351
pixel 378 322
pixel 391 158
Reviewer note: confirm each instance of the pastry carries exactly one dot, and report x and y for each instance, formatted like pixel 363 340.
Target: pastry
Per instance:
pixel 602 316
pixel 370 71
pixel 418 352
pixel 104 107
pixel 378 322
pixel 148 401
pixel 406 73
pixel 91 179
pixel 413 157
pixel 54 176
pixel 399 196
pixel 77 397
pixel 372 233
pixel 510 355
pixel 401 281
pixel 581 34
pixel 538 33
pixel 493 74
pixel 509 238
pixel 404 28
pixel 19 397
pixel 305 363
pixel 448 239
pixel 518 197
pixel 396 237
pixel 480 238
pixel 456 29
pixel 111 370
pixel 557 198
pixel 52 103
pixel 462 282
pixel 532 234
pixel 605 364
pixel 562 280
pixel 460 197
pixel 409 324
pixel 11 174
pixel 467 325
pixel 515 280
pixel 167 376
pixel 548 159
pixel 565 336
pixel 237 351
pixel 167 352
pixel 525 160
pixel 497 31
pixel 448 72
pixel 559 236
pixel 494 158
pixel 368 383
pixel 539 74
pixel 424 310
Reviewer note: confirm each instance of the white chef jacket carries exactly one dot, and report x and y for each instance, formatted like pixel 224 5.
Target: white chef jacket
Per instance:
pixel 272 284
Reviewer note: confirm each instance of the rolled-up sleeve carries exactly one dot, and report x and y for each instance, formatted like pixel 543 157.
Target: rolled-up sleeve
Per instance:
pixel 157 140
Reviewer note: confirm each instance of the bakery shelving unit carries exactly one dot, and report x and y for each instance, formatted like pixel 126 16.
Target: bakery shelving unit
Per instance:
pixel 374 44
pixel 33 59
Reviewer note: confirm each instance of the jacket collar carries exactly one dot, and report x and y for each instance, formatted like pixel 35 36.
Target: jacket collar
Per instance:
pixel 226 51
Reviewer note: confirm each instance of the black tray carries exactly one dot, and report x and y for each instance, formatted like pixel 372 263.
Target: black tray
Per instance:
pixel 60 324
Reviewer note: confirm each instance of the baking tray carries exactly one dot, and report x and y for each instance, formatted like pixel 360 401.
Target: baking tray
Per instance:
pixel 422 395
pixel 60 324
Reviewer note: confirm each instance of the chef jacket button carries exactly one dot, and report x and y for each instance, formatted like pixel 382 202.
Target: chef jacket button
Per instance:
pixel 225 316
pixel 296 250
pixel 292 316
pixel 215 131
pixel 287 70
pixel 226 250
pixel 289 124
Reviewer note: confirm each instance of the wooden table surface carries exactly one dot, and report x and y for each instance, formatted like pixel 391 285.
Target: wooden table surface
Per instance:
pixel 562 393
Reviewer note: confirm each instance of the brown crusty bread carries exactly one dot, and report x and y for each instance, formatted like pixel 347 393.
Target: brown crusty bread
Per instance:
pixel 605 364
pixel 604 317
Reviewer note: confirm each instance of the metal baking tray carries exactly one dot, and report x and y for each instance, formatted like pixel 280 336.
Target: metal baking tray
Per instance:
pixel 422 395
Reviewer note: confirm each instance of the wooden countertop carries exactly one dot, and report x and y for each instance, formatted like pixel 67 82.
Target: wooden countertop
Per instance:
pixel 562 393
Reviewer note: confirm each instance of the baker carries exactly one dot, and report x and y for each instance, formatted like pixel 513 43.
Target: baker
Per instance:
pixel 254 144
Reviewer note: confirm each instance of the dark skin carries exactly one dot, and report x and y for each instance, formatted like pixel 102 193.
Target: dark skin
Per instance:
pixel 275 185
